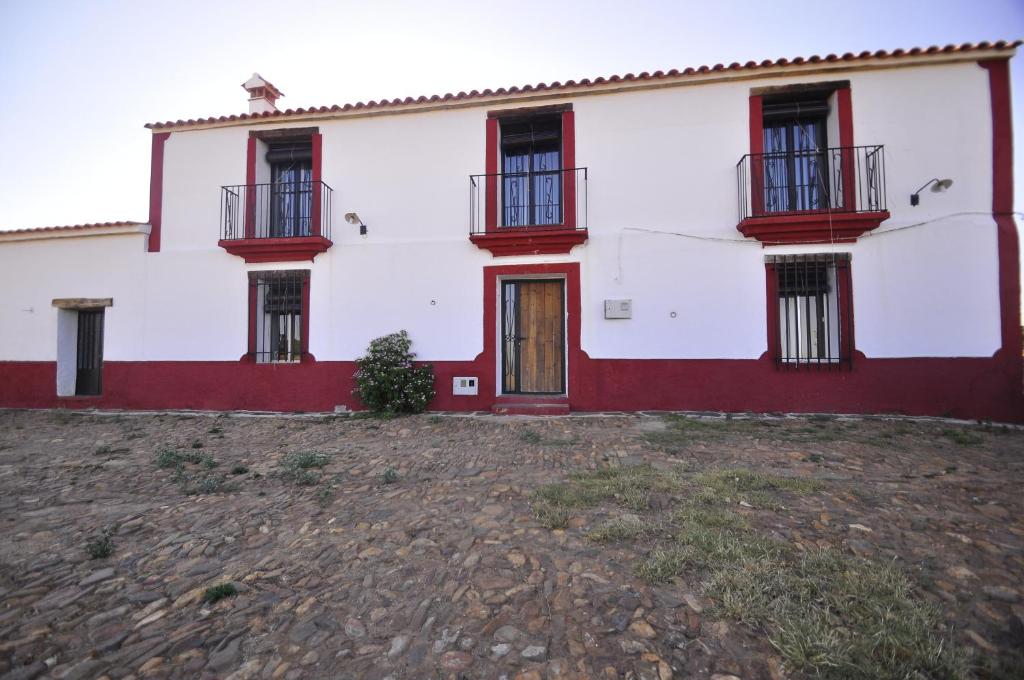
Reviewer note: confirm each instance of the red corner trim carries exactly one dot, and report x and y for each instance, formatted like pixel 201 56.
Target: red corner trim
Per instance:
pixel 774 350
pixel 156 189
pixel 569 162
pixel 488 359
pixel 250 194
pixel 317 140
pixel 846 323
pixel 1002 206
pixel 756 147
pixel 491 168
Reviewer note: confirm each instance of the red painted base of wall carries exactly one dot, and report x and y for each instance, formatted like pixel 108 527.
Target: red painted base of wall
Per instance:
pixel 987 389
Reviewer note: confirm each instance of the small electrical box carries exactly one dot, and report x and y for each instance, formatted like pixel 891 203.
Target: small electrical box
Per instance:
pixel 618 309
pixel 464 386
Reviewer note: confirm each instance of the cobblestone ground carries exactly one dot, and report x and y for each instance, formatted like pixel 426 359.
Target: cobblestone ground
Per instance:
pixel 444 572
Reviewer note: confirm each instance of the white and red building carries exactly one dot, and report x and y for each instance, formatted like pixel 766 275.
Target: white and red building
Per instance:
pixel 737 238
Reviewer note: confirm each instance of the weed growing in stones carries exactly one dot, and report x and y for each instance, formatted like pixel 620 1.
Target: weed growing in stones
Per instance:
pixel 324 495
pixel 390 476
pixel 829 615
pixel 102 450
pixel 298 468
pixel 530 437
pixel 100 545
pixel 239 470
pixel 168 458
pixel 962 437
pixel 215 594
pixel 215 430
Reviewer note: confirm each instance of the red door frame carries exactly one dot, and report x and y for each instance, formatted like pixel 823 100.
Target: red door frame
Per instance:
pixel 490 357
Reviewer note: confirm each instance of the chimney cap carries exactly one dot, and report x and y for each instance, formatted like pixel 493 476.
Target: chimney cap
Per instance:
pixel 257 81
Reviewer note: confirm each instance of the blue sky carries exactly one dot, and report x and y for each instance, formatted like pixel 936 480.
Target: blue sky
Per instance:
pixel 81 78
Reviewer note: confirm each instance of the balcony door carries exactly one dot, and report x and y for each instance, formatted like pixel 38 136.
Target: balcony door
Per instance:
pixel 532 172
pixel 533 337
pixel 795 157
pixel 291 189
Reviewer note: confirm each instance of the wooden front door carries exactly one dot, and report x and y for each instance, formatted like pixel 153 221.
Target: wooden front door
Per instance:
pixel 533 337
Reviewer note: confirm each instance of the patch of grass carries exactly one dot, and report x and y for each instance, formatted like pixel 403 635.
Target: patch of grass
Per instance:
pixel 304 460
pixel 203 484
pixel 710 516
pixel 836 616
pixel 299 468
pixel 100 545
pixel 390 476
pixel 753 487
pixel 197 444
pixel 627 486
pixel 435 420
pixel 168 458
pixel 204 459
pixel 663 564
pixel 551 516
pixel 623 528
pixel 962 437
pixel 102 450
pixel 218 592
pixel 215 430
pixel 530 437
pixel 324 495
pixel 239 470
pixel 712 547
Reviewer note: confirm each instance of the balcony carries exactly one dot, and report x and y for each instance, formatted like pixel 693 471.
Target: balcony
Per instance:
pixel 283 222
pixel 816 196
pixel 528 213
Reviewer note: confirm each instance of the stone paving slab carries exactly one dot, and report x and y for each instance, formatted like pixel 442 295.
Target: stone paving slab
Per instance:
pixel 445 573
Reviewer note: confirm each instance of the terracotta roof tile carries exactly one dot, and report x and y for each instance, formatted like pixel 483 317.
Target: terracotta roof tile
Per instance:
pixel 93 225
pixel 587 82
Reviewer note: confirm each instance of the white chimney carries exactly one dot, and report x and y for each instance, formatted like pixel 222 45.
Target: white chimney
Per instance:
pixel 262 94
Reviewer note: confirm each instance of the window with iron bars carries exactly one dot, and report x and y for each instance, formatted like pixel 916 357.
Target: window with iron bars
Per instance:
pixel 812 323
pixel 278 307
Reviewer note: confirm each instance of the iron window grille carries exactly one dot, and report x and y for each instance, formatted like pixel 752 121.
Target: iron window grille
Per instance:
pixel 278 315
pixel 812 315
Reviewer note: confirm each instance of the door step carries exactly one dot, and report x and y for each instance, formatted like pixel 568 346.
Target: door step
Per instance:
pixel 531 406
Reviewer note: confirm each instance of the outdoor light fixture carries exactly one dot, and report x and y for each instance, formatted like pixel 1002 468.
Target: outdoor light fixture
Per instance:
pixel 940 185
pixel 353 218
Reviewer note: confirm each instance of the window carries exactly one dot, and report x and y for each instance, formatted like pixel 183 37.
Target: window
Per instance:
pixel 279 311
pixel 531 151
pixel 795 153
pixel 291 188
pixel 810 317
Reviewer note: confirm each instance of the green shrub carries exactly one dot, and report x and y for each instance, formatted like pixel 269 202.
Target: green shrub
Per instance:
pixel 218 592
pixel 390 476
pixel 100 546
pixel 388 382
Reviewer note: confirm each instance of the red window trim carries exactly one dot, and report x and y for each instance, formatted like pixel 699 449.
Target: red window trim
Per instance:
pixel 847 346
pixel 810 226
pixel 492 160
pixel 304 356
pixel 546 239
pixel 317 141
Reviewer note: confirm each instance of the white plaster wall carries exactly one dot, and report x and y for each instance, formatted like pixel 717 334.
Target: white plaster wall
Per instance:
pixel 659 160
pixel 34 273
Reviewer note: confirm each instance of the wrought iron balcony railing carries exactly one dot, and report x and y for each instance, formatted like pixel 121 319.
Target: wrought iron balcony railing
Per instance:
pixel 548 199
pixel 842 179
pixel 280 210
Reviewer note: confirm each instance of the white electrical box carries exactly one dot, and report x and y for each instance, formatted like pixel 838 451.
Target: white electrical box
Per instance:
pixel 618 309
pixel 464 385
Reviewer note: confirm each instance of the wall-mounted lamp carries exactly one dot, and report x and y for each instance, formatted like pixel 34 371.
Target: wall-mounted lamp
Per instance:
pixel 939 185
pixel 353 218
